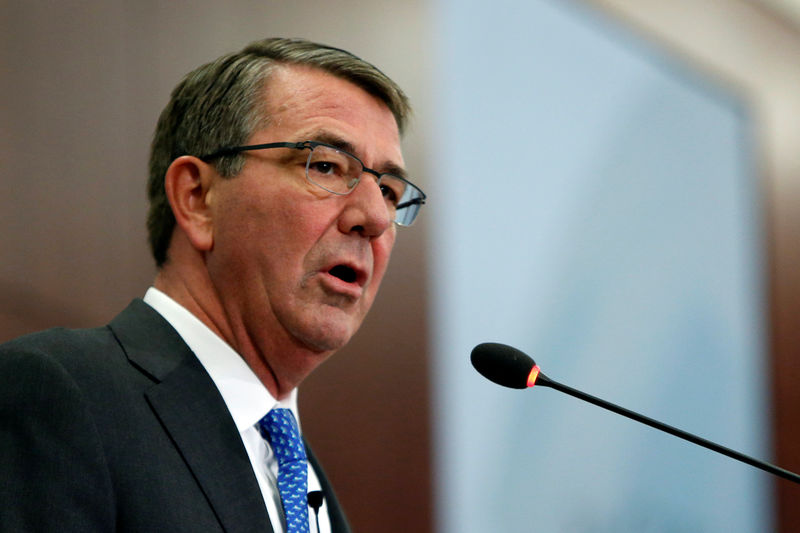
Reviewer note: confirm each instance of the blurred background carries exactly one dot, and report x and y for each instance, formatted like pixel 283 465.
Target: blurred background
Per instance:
pixel 614 188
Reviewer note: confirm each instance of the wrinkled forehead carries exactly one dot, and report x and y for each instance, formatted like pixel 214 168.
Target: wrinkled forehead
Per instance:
pixel 306 103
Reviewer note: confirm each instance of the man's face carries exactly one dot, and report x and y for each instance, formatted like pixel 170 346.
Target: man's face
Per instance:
pixel 296 267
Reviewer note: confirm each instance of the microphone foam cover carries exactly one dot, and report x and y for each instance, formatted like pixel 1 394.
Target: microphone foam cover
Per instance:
pixel 502 364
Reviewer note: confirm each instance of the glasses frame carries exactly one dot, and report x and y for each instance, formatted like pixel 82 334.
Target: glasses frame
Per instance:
pixel 310 145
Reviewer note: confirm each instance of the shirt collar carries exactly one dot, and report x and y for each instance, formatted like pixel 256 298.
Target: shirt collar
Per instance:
pixel 247 399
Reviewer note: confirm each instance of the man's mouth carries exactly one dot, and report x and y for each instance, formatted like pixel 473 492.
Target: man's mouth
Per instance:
pixel 344 273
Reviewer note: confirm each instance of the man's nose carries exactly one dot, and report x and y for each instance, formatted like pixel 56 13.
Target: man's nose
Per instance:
pixel 366 211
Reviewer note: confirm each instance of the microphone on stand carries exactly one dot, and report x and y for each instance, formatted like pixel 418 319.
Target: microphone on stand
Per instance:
pixel 512 368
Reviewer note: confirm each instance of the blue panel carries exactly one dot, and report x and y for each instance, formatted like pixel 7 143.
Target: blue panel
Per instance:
pixel 594 204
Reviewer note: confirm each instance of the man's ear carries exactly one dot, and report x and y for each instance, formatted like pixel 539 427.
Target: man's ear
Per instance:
pixel 187 183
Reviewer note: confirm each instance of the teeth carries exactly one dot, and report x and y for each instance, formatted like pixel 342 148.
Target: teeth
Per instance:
pixel 344 273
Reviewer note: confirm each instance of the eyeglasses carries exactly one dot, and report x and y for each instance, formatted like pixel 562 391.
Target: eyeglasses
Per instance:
pixel 339 172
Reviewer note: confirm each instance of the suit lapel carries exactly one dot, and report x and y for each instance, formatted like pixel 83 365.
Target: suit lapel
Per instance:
pixel 194 414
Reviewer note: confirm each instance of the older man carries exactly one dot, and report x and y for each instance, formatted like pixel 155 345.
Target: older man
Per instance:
pixel 277 181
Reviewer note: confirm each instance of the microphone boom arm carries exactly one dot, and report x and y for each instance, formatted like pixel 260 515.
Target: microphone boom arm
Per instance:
pixel 767 467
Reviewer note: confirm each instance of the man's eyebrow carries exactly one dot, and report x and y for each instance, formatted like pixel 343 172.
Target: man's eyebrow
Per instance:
pixel 333 140
pixel 395 170
pixel 346 146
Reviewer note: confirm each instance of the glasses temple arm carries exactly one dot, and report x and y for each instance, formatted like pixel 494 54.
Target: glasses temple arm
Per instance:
pixel 415 201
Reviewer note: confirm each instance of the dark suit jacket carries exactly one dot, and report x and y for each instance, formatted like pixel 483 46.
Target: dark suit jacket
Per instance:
pixel 120 428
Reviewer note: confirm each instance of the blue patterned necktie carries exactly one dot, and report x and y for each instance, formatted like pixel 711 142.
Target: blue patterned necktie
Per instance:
pixel 280 429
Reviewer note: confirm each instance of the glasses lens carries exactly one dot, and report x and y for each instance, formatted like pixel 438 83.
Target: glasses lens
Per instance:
pixel 335 171
pixel 402 198
pixel 339 172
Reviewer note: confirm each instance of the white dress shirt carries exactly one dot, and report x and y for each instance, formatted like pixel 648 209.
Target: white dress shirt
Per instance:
pixel 246 398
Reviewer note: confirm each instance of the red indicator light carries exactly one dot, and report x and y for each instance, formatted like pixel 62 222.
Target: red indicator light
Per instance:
pixel 533 375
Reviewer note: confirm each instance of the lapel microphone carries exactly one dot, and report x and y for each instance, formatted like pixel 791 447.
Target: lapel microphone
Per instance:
pixel 315 498
pixel 512 368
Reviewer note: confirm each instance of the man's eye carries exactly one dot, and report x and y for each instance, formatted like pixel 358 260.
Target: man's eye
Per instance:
pixel 390 194
pixel 324 167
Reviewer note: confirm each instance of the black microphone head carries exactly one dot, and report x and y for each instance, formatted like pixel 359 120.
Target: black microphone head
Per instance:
pixel 504 365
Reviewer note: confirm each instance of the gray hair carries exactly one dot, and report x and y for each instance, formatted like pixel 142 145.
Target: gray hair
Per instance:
pixel 221 104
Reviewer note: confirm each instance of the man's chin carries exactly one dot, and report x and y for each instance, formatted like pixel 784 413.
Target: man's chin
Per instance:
pixel 320 327
pixel 327 337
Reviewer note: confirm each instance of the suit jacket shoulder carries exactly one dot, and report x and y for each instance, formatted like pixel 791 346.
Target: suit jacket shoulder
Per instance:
pixel 119 429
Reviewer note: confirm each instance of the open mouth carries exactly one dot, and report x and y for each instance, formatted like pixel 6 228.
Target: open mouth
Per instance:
pixel 344 273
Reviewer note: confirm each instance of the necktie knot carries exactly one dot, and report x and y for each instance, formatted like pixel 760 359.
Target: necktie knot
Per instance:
pixel 279 427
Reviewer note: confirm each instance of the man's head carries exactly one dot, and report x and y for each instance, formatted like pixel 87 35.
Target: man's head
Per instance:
pixel 265 250
pixel 222 103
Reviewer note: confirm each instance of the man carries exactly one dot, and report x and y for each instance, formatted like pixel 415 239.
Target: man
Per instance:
pixel 276 182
